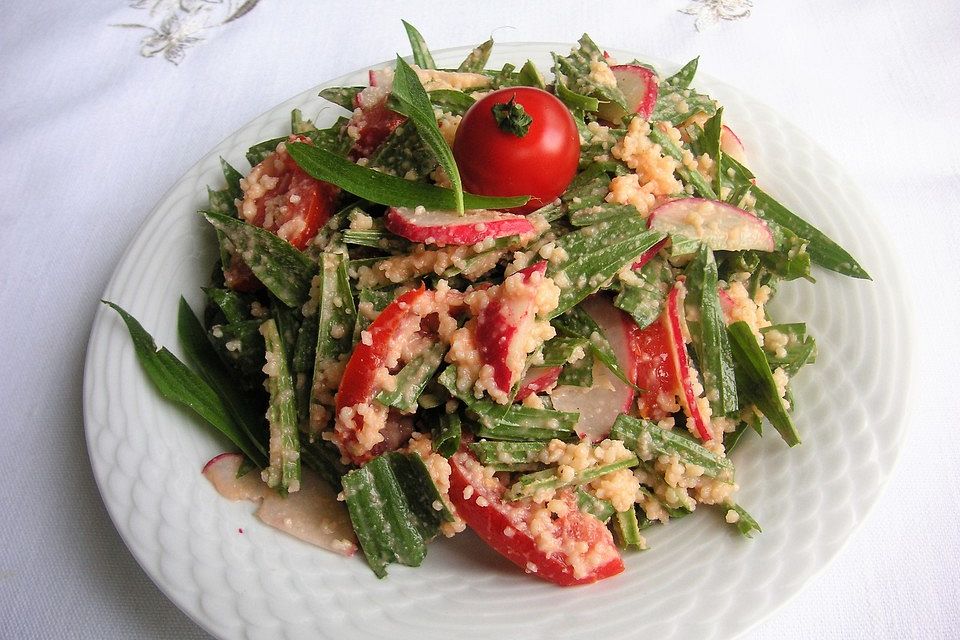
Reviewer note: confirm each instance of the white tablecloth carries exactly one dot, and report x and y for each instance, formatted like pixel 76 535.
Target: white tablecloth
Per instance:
pixel 92 133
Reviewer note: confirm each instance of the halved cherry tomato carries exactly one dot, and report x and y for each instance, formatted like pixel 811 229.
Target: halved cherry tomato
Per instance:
pixel 497 162
pixel 506 527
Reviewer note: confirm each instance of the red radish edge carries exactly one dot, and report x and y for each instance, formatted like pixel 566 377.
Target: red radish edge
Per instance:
pixel 678 356
pixel 647 255
pixel 450 228
pixel 619 329
pixel 674 217
pixel 639 86
pixel 538 379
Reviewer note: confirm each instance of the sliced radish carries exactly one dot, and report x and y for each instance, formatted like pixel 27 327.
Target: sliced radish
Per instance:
pixel 503 325
pixel 719 225
pixel 682 367
pixel 448 227
pixel 312 514
pixel 609 396
pixel 538 379
pixel 647 255
pixel 726 304
pixel 730 144
pixel 639 87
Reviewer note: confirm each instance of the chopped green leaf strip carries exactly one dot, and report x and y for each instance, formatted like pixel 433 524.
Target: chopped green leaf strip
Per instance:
pixel 560 350
pixel 690 176
pixel 447 434
pixel 323 458
pixel 597 253
pixel 578 373
pixel 240 347
pixel 799 349
pixel 709 333
pixel 682 78
pixel 522 424
pixel 745 523
pixel 530 76
pixel 233 306
pixel 495 452
pixel 577 323
pixel 412 379
pixel 277 264
pixel 642 293
pixel 283 472
pixel 336 315
pixel 455 102
pixel 649 441
pixel 601 509
pixel 387 529
pixel 476 60
pixel 576 101
pixel 529 484
pixel 575 72
pixel 755 381
pixel 342 96
pixel 626 530
pixel 258 152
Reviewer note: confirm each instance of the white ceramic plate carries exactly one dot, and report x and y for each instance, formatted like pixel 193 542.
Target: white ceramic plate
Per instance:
pixel 699 579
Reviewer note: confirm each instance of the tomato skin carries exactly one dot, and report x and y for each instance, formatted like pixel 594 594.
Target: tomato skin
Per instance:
pixel 283 199
pixel 655 373
pixel 540 164
pixel 358 385
pixel 480 503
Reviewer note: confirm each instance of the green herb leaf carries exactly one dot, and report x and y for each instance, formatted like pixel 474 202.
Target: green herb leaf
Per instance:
pixel 385 189
pixel 755 381
pixel 285 271
pixel 415 104
pixel 178 383
pixel 421 53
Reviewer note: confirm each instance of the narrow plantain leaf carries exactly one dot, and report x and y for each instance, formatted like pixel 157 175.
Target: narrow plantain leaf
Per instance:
pixel 384 189
pixel 178 383
pixel 421 52
pixel 415 104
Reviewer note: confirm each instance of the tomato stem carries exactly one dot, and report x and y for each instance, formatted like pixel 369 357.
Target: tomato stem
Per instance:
pixel 511 117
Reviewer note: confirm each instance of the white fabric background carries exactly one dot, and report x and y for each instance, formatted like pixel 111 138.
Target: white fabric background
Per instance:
pixel 92 134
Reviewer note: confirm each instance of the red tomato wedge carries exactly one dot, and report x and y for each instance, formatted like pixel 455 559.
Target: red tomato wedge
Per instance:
pixel 359 386
pixel 372 120
pixel 582 548
pixel 503 324
pixel 655 373
pixel 364 428
pixel 280 197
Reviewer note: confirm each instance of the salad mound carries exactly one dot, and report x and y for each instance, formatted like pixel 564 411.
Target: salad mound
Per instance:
pixel 484 300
